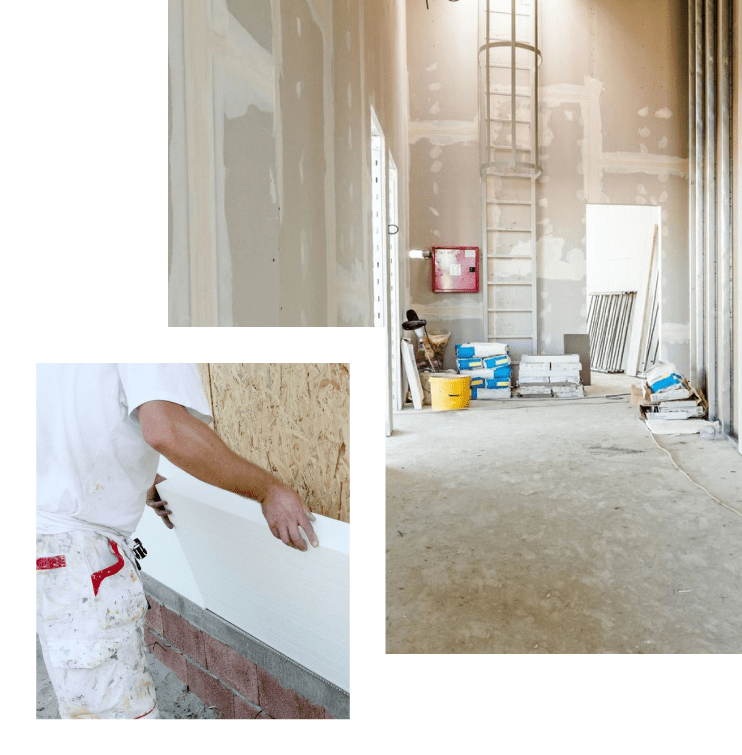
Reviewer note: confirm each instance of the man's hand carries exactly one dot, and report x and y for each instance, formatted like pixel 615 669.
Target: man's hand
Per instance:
pixel 154 500
pixel 197 449
pixel 285 512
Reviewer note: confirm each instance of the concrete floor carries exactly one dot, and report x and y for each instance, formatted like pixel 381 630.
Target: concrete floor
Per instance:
pixel 173 698
pixel 535 526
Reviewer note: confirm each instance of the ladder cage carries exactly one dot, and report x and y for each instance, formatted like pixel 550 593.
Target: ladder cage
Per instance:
pixel 510 163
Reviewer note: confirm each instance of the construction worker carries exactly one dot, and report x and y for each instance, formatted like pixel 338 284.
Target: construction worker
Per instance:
pixel 100 429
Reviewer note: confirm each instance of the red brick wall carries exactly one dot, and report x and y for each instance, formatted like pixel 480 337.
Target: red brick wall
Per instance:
pixel 218 674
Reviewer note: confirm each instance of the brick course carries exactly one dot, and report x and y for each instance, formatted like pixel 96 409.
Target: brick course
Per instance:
pixel 234 669
pixel 153 616
pixel 197 658
pixel 280 702
pixel 169 656
pixel 183 635
pixel 211 691
pixel 243 709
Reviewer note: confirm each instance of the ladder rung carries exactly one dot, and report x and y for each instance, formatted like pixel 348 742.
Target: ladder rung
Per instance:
pixel 510 68
pixel 509 13
pixel 519 202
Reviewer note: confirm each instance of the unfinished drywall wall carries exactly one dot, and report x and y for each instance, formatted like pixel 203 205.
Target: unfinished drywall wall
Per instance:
pixel 445 194
pixel 613 129
pixel 737 219
pixel 291 419
pixel 269 157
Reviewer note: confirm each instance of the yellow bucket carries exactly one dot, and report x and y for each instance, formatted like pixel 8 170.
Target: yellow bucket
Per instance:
pixel 447 392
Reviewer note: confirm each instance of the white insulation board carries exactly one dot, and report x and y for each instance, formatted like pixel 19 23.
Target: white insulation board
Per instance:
pixel 296 602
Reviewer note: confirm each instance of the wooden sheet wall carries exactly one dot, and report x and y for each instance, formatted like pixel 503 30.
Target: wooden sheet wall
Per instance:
pixel 292 419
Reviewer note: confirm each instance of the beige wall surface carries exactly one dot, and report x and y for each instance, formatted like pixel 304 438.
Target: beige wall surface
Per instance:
pixel 291 419
pixel 613 129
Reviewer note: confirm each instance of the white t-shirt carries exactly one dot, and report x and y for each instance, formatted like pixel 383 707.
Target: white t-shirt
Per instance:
pixel 93 467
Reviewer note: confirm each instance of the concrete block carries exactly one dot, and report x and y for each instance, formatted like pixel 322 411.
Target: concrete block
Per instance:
pixel 232 668
pixel 153 617
pixel 210 690
pixel 280 702
pixel 243 709
pixel 174 660
pixel 177 631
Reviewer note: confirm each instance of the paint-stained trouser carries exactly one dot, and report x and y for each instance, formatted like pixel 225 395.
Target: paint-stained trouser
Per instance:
pixel 90 607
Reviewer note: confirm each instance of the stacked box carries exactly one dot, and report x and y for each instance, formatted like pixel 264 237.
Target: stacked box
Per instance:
pixel 488 393
pixel 488 365
pixel 483 363
pixel 557 376
pixel 477 349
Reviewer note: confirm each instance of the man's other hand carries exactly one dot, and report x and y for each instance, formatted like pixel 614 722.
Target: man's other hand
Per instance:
pixel 285 512
pixel 156 503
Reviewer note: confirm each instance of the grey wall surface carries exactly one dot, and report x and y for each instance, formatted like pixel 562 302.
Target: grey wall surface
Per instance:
pixel 270 157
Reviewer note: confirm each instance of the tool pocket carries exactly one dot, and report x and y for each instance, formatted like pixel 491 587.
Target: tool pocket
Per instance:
pixel 117 591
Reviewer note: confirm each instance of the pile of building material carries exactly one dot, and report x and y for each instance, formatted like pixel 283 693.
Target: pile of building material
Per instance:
pixel 550 375
pixel 666 396
pixel 488 365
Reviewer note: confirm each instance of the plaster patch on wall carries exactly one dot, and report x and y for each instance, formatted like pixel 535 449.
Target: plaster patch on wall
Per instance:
pixel 435 188
pixel 663 113
pixel 435 108
pixel 435 87
pixel 434 211
pixel 348 40
pixel 675 332
pixel 298 88
pixel 641 162
pixel 435 152
pixel 662 142
pixel 554 264
pixel 644 132
pixel 432 67
pixel 644 112
pixel 444 133
pixel 436 166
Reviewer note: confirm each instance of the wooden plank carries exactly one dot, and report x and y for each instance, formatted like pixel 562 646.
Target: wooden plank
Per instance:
pixel 413 376
pixel 642 313
pixel 295 602
pixel 579 343
pixel 291 419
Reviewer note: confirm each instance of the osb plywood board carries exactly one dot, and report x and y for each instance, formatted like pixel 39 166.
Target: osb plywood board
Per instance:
pixel 296 602
pixel 291 419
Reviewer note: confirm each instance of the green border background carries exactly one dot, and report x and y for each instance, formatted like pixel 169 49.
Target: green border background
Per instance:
pixel 84 153
pixel 563 704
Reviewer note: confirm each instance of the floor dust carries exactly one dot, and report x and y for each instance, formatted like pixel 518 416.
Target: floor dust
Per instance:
pixel 558 527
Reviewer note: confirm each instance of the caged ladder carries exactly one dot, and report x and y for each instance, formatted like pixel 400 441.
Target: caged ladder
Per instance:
pixel 509 59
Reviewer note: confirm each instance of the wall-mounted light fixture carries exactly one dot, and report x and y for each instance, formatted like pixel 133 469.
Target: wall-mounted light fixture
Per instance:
pixel 420 254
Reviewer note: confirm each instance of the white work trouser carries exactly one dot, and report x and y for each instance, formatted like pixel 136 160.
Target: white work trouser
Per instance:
pixel 90 608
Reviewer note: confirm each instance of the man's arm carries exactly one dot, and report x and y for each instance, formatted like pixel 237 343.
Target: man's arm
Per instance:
pixel 197 449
